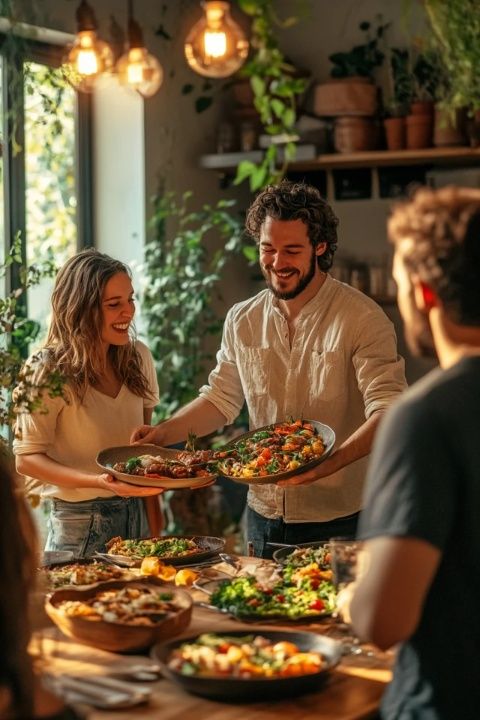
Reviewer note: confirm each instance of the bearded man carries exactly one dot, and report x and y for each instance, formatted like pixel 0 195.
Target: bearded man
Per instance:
pixel 306 347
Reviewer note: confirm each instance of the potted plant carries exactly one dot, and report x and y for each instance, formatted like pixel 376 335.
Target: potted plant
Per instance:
pixel 351 90
pixel 400 88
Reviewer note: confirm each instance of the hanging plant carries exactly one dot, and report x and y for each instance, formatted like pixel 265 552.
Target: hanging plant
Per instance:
pixel 276 90
pixel 456 28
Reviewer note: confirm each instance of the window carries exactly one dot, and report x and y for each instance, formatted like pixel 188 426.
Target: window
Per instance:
pixel 46 166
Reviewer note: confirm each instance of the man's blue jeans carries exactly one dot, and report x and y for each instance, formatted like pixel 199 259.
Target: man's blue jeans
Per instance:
pixel 261 530
pixel 85 527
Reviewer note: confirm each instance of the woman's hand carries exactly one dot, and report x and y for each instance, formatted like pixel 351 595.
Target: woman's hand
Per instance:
pixel 107 482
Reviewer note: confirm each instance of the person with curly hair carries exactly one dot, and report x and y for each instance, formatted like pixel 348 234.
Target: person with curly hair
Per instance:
pixel 420 523
pixel 307 346
pixel 110 386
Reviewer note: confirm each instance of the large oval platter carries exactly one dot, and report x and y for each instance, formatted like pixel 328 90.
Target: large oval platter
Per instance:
pixel 324 431
pixel 108 457
pixel 207 546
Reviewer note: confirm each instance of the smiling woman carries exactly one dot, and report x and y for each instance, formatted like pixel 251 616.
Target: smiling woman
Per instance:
pixel 109 387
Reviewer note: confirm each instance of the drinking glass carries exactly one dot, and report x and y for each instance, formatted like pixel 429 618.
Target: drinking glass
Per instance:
pixel 347 557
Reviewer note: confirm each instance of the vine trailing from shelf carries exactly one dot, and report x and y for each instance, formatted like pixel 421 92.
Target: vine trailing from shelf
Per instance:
pixel 276 90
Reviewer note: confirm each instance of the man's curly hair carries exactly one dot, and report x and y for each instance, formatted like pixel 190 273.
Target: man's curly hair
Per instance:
pixel 437 234
pixel 296 201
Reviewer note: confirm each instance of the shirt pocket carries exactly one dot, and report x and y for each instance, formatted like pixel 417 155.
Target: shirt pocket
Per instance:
pixel 327 374
pixel 255 370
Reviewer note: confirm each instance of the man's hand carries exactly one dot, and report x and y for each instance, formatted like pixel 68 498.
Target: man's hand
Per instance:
pixel 328 467
pixel 147 434
pixel 107 482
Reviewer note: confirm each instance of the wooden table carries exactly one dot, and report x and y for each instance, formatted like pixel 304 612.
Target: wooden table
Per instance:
pixel 352 691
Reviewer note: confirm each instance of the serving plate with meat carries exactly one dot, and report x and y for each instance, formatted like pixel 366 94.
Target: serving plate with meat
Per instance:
pixel 154 466
pixel 80 573
pixel 241 667
pixel 172 549
pixel 276 452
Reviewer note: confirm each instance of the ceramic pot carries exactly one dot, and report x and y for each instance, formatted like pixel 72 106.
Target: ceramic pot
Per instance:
pixel 448 129
pixel 354 134
pixel 395 133
pixel 419 131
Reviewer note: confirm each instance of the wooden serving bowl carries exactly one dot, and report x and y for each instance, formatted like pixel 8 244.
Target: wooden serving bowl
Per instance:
pixel 119 637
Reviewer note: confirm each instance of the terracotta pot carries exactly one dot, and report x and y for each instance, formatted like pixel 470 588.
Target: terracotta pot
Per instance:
pixel 354 134
pixel 395 133
pixel 449 130
pixel 422 107
pixel 419 131
pixel 348 96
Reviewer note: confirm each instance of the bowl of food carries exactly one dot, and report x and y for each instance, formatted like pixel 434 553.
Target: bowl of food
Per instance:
pixel 276 452
pixel 240 666
pixel 154 466
pixel 304 554
pixel 120 616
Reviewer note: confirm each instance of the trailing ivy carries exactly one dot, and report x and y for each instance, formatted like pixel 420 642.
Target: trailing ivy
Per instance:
pixel 181 280
pixel 276 91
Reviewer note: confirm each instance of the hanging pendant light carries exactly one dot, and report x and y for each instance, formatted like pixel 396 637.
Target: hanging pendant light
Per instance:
pixel 89 56
pixel 137 68
pixel 216 46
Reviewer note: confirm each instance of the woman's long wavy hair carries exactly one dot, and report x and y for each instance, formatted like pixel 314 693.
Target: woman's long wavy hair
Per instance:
pixel 17 569
pixel 74 343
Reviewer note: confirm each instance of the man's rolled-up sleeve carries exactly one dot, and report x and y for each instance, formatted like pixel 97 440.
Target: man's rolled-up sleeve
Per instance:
pixel 224 389
pixel 379 369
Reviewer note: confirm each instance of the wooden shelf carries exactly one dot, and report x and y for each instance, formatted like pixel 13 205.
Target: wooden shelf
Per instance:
pixel 375 158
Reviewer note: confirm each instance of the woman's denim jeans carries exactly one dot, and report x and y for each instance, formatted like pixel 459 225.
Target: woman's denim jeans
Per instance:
pixel 85 527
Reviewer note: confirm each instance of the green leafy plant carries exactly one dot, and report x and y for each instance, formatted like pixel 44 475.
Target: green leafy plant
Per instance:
pixel 456 28
pixel 17 332
pixel 276 90
pixel 181 283
pixel 400 82
pixel 361 59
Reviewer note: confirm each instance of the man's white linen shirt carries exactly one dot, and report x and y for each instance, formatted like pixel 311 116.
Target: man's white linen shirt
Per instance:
pixel 341 366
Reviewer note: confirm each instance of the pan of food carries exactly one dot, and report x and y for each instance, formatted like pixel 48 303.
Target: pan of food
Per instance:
pixel 240 667
pixel 154 466
pixel 276 452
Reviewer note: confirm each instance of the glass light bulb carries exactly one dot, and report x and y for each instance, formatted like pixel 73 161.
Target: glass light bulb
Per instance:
pixel 140 70
pixel 88 58
pixel 216 46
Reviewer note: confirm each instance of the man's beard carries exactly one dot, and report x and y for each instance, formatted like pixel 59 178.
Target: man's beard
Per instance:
pixel 299 287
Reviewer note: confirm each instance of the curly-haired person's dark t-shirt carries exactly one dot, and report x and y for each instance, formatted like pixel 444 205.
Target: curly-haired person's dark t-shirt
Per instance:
pixel 424 482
